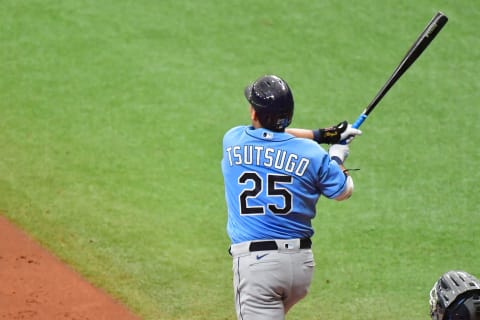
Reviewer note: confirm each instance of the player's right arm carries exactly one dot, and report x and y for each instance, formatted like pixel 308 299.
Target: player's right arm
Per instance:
pixel 338 153
pixel 348 186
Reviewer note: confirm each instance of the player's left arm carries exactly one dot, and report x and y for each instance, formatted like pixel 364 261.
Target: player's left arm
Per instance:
pixel 300 133
pixel 330 135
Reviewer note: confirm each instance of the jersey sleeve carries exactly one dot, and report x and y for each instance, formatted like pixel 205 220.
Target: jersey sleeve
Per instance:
pixel 332 179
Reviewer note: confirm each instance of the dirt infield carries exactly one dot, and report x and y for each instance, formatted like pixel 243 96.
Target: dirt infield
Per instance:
pixel 36 285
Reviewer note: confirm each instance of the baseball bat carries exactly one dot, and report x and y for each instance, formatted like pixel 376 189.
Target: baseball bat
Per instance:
pixel 417 48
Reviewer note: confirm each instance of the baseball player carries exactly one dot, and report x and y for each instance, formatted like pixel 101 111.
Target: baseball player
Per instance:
pixel 273 179
pixel 455 296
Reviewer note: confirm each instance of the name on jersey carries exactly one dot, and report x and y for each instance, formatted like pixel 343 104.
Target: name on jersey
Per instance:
pixel 267 157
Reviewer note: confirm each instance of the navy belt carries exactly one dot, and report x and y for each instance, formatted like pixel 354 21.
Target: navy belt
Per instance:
pixel 305 243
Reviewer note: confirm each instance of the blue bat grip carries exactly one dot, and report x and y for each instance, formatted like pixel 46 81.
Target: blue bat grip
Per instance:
pixel 359 121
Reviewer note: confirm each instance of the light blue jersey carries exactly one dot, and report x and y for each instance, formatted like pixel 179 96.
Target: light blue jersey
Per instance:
pixel 273 181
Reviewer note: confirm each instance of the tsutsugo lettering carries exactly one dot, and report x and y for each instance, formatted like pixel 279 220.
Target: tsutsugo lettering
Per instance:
pixel 267 157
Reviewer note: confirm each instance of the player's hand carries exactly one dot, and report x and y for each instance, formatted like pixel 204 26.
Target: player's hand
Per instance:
pixel 339 152
pixel 335 134
pixel 349 133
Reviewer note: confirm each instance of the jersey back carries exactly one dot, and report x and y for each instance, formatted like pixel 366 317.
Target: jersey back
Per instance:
pixel 273 181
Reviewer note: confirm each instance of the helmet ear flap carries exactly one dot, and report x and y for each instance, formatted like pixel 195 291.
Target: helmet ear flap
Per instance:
pixel 467 307
pixel 274 122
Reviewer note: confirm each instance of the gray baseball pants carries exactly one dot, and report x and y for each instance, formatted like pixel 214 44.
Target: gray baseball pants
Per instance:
pixel 268 283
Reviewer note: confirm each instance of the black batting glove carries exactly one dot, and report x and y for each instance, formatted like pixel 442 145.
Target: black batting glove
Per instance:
pixel 330 135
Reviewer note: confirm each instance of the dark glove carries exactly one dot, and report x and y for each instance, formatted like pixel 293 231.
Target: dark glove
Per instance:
pixel 335 134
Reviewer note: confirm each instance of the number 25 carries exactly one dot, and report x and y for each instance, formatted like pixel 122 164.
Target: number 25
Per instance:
pixel 274 189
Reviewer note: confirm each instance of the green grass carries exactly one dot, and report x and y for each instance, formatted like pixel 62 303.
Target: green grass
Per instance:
pixel 111 120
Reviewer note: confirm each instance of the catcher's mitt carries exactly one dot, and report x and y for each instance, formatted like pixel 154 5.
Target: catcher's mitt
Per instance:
pixel 455 296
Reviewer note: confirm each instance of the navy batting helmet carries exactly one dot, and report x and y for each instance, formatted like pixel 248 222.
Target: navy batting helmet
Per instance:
pixel 455 296
pixel 272 100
